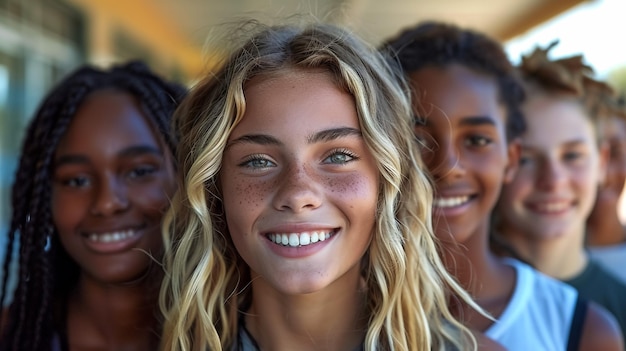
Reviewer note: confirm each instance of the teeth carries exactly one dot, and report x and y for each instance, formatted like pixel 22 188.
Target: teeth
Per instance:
pixel 112 237
pixel 299 239
pixel 450 201
pixel 552 206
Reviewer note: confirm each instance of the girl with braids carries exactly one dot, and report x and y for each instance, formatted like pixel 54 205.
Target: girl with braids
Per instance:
pixel 543 210
pixel 467 102
pixel 302 219
pixel 606 235
pixel 95 177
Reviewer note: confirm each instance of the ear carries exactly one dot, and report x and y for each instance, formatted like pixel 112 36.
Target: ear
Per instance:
pixel 514 150
pixel 603 164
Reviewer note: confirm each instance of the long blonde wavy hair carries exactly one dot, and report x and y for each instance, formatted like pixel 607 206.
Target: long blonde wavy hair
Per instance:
pixel 206 280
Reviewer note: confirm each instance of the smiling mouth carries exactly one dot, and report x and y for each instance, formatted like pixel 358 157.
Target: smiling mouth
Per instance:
pixel 111 237
pixel 445 202
pixel 300 239
pixel 551 207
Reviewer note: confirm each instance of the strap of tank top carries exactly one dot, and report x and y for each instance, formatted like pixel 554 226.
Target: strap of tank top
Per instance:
pixel 576 329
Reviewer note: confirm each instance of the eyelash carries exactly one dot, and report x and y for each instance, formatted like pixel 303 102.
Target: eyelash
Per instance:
pixel 71 182
pixel 478 141
pixel 248 162
pixel 143 171
pixel 345 152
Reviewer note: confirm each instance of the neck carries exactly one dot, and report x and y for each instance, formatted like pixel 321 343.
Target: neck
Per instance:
pixel 332 319
pixel 603 225
pixel 562 257
pixel 114 316
pixel 486 277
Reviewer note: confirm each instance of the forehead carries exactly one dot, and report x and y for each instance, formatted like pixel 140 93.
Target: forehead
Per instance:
pixel 556 119
pixel 452 83
pixel 106 117
pixel 296 100
pixel 455 91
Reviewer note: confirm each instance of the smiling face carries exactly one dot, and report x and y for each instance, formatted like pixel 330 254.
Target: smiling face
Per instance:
pixel 112 182
pixel 467 151
pixel 560 169
pixel 300 185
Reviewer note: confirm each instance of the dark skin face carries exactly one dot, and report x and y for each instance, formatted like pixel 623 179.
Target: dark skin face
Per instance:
pixel 467 153
pixel 614 133
pixel 112 181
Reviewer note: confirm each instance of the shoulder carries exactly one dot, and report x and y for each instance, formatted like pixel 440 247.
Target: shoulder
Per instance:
pixel 600 330
pixel 486 343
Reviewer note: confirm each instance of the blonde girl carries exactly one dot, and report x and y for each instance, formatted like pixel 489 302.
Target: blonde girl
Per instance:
pixel 303 217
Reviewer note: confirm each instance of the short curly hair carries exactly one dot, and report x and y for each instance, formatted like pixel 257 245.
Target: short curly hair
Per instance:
pixel 440 44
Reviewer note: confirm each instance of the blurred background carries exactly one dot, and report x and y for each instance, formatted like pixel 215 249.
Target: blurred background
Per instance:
pixel 42 40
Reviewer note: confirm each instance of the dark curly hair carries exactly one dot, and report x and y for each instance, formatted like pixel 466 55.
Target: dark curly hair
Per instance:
pixel 440 44
pixel 46 272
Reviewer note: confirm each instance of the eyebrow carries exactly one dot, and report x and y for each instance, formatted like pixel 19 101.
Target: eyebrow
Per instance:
pixel 324 135
pixel 477 121
pixel 132 151
pixel 466 121
pixel 569 143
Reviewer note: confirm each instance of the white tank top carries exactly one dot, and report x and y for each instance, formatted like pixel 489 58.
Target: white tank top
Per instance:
pixel 538 316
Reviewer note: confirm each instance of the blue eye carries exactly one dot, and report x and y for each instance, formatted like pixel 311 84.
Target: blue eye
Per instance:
pixel 340 157
pixel 258 162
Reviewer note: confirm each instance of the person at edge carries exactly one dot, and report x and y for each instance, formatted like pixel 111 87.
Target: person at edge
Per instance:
pixel 467 105
pixel 96 174
pixel 542 213
pixel 606 235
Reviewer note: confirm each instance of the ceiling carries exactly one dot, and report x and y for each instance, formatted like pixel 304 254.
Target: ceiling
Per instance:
pixel 374 20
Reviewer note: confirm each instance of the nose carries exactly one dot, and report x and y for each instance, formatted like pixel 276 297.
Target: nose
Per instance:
pixel 446 162
pixel 110 197
pixel 550 175
pixel 298 190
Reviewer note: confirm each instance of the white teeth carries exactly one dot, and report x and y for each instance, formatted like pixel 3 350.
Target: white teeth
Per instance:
pixel 305 239
pixel 553 206
pixel 294 240
pixel 450 201
pixel 112 237
pixel 299 239
pixel 315 237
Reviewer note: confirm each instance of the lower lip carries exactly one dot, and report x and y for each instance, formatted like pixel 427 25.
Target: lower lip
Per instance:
pixel 299 251
pixel 114 246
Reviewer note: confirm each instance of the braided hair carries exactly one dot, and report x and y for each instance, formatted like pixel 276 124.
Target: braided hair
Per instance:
pixel 46 272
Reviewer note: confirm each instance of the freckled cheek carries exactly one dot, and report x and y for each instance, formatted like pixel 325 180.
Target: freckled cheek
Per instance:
pixel 244 192
pixel 358 191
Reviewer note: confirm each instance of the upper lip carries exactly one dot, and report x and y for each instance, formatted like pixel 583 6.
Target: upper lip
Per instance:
pixel 299 228
pixel 547 200
pixel 112 229
pixel 453 192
